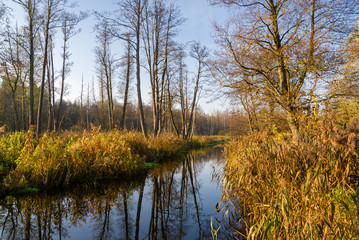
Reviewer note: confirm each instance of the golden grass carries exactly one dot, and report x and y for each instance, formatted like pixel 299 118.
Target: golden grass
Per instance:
pixel 295 191
pixel 58 160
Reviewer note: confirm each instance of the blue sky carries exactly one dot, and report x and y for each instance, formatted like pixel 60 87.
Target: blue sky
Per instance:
pixel 198 26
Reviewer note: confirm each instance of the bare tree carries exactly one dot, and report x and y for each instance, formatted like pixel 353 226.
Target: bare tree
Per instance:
pixel 278 47
pixel 179 69
pixel 30 6
pixel 51 15
pixel 69 21
pixel 13 68
pixel 186 91
pixel 106 63
pixel 200 54
pixel 160 26
pixel 127 84
pixel 50 83
pixel 127 19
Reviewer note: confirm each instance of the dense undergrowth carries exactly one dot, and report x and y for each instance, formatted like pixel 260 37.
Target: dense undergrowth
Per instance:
pixel 286 190
pixel 59 160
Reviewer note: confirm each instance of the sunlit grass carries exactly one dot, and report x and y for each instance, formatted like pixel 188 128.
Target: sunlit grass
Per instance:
pixel 295 191
pixel 59 160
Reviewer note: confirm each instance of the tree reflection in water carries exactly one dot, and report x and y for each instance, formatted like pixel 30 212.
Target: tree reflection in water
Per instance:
pixel 174 201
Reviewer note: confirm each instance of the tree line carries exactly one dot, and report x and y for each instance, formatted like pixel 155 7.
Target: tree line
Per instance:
pixel 33 87
pixel 281 62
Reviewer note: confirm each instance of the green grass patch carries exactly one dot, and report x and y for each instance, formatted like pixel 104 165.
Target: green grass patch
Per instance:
pixel 26 191
pixel 208 141
pixel 151 165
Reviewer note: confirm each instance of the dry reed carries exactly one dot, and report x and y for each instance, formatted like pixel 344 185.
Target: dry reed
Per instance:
pixel 295 191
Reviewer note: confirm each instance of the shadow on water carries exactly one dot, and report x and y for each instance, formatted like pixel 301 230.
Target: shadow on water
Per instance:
pixel 176 200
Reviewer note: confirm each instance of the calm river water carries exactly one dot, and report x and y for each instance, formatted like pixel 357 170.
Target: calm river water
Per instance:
pixel 176 200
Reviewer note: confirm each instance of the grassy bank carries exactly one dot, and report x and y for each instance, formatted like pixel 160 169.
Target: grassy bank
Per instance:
pixel 59 160
pixel 284 190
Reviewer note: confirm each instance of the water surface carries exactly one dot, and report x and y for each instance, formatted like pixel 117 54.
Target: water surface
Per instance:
pixel 176 200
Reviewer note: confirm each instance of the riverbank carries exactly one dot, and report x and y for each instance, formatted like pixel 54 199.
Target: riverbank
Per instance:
pixel 123 207
pixel 307 190
pixel 59 160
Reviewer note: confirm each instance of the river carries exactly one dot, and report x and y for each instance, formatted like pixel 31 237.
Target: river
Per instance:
pixel 175 200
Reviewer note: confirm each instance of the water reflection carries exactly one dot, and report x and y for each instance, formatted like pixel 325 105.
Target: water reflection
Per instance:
pixel 175 201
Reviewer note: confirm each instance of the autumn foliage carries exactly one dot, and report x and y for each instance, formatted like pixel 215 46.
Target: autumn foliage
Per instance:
pixel 296 191
pixel 59 160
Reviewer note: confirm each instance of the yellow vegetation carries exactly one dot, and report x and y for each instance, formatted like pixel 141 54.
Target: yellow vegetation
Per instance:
pixel 58 160
pixel 296 191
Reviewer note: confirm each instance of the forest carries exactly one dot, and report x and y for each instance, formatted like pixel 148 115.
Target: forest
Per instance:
pixel 35 83
pixel 289 68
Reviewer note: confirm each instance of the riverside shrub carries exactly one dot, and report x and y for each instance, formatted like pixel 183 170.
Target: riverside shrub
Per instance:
pixel 59 160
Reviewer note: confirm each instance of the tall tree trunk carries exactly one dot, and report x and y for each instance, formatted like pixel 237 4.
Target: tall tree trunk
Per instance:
pixel 31 11
pixel 16 121
pixel 53 87
pixel 41 97
pixel 164 76
pixel 128 73
pixel 194 100
pixel 170 110
pixel 155 88
pixel 63 75
pixel 182 98
pixel 138 74
pixel 109 94
pixel 102 96
pixel 88 107
pixel 81 102
pixel 23 94
pixel 193 126
pixel 49 88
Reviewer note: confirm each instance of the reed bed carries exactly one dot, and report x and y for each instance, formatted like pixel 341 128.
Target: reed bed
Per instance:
pixel 59 160
pixel 286 190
